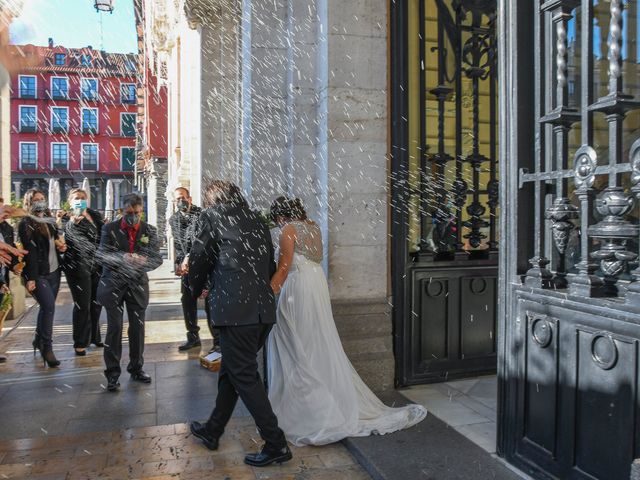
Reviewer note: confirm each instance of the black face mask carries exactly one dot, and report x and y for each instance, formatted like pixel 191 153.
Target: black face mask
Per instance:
pixel 183 205
pixel 131 219
pixel 39 207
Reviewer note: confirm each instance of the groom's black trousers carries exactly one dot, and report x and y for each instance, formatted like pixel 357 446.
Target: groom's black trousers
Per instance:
pixel 239 377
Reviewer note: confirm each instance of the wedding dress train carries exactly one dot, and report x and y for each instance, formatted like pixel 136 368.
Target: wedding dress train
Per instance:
pixel 315 392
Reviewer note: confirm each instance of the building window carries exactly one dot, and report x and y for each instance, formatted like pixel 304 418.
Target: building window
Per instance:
pixel 59 88
pixel 89 87
pixel 85 60
pixel 128 124
pixel 60 155
pixel 60 59
pixel 28 155
pixel 28 118
pixel 128 93
pixel 59 119
pixel 90 120
pixel 128 159
pixel 27 86
pixel 89 156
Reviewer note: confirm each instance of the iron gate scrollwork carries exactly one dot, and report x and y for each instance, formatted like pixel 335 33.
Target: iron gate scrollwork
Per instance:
pixel 454 189
pixel 581 177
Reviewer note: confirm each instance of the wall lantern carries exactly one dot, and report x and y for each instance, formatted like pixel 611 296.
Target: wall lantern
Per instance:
pixel 104 5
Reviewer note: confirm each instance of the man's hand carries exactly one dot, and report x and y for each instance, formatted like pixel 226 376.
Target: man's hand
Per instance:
pixel 177 269
pixel 6 211
pixel 7 251
pixel 204 294
pixel 184 268
pixel 31 286
pixel 275 287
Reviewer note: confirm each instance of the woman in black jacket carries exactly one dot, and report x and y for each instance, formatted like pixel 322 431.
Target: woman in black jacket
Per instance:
pixel 82 235
pixel 41 272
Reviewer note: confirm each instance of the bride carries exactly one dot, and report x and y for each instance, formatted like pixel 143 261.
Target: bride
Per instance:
pixel 315 392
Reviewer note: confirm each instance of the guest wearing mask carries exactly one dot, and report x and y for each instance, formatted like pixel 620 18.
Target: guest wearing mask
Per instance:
pixel 82 235
pixel 128 250
pixel 183 227
pixel 41 272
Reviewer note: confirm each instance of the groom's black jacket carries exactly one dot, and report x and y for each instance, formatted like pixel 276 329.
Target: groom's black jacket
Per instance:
pixel 233 249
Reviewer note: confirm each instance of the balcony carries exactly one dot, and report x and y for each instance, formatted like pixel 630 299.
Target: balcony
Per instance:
pixel 59 129
pixel 90 130
pixel 28 129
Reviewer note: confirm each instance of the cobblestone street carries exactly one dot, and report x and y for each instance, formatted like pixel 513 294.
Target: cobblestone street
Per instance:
pixel 61 423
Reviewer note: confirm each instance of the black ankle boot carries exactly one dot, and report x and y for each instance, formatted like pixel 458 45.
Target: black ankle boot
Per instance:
pixel 49 358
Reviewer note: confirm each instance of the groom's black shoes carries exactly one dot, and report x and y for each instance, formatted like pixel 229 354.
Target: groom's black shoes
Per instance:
pixel 268 456
pixel 199 430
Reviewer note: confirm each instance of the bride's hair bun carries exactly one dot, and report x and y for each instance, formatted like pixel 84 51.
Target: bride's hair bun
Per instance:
pixel 288 208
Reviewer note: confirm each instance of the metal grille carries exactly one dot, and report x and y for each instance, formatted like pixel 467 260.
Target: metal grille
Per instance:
pixel 458 181
pixel 585 240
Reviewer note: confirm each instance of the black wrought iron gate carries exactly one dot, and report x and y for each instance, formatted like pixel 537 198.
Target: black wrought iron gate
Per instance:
pixel 569 359
pixel 449 265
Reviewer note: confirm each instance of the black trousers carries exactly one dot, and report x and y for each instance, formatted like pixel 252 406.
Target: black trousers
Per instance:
pixel 86 311
pixel 46 291
pixel 113 342
pixel 190 311
pixel 238 376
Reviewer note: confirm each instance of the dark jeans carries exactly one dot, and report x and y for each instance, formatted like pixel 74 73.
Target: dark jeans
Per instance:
pixel 113 340
pixel 190 311
pixel 86 311
pixel 46 291
pixel 239 377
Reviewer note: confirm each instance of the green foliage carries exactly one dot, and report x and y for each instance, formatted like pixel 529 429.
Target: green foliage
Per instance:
pixel 265 216
pixel 7 302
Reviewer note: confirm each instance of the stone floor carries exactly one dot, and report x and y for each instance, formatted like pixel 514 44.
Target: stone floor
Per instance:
pixel 469 406
pixel 61 423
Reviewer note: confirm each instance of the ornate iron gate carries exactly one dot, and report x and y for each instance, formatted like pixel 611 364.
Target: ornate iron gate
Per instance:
pixel 570 347
pixel 452 196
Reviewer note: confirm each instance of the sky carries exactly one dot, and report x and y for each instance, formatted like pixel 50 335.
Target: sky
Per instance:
pixel 75 23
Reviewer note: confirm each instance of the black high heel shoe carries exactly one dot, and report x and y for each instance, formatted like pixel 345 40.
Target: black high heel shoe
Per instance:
pixel 36 344
pixel 49 358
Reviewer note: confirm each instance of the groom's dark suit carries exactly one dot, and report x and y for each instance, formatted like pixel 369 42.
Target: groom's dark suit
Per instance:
pixel 123 282
pixel 233 249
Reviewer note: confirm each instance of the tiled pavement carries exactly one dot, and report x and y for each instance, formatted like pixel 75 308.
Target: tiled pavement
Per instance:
pixel 469 406
pixel 61 423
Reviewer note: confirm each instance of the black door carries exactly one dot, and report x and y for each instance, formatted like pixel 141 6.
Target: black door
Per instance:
pixel 569 350
pixel 445 188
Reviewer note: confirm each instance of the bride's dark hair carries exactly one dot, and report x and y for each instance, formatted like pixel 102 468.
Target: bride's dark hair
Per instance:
pixel 288 208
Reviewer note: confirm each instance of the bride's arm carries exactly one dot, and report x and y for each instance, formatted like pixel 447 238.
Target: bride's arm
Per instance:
pixel 287 245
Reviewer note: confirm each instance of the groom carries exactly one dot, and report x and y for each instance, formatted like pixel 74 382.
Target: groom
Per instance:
pixel 233 248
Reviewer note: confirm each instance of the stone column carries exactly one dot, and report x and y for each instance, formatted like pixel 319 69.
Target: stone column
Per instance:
pixel 16 190
pixel 218 22
pixel 117 201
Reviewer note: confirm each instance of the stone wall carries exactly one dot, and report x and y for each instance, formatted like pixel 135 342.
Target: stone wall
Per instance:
pixel 294 102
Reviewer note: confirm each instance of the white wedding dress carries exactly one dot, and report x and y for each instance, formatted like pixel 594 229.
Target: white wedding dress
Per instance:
pixel 314 390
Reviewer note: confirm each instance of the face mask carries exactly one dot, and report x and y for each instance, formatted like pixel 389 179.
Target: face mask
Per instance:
pixel 183 205
pixel 131 219
pixel 38 207
pixel 80 205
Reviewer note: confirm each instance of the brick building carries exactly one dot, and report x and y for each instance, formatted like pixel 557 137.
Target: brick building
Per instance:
pixel 73 117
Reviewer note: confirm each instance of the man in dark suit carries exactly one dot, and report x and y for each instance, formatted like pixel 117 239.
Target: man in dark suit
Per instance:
pixel 183 226
pixel 128 250
pixel 233 251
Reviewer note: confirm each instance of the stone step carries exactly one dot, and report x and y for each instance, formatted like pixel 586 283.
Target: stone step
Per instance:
pixel 377 371
pixel 360 307
pixel 359 325
pixel 377 344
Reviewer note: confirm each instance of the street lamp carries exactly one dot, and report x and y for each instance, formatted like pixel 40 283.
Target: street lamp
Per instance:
pixel 104 5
